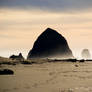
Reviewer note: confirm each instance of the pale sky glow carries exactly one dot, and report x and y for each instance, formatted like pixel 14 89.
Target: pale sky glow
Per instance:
pixel 19 28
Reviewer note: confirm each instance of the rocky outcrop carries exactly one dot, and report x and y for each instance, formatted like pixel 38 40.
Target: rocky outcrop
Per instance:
pixel 6 72
pixel 17 57
pixel 86 54
pixel 50 44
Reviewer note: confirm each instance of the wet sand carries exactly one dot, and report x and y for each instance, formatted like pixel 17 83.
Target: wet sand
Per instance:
pixel 48 77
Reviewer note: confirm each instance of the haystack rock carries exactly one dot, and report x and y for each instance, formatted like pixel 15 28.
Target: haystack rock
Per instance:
pixel 86 54
pixel 50 44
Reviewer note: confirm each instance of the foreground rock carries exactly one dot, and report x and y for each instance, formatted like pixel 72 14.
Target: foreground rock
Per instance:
pixel 6 72
pixel 50 44
pixel 86 54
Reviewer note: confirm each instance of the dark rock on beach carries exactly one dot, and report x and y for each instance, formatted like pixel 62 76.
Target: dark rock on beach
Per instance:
pixel 82 60
pixel 6 72
pixel 72 60
pixel 76 65
pixel 50 44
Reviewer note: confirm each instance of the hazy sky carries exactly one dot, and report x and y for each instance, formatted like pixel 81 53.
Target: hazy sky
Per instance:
pixel 22 21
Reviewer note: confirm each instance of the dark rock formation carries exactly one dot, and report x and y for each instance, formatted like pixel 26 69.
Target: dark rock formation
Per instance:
pixel 71 60
pixel 82 60
pixel 19 57
pixel 86 54
pixel 50 44
pixel 6 72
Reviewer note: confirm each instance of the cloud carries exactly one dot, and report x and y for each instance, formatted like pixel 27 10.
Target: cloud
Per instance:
pixel 52 5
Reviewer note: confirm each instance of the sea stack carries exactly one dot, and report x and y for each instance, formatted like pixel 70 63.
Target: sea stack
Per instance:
pixel 86 54
pixel 17 57
pixel 50 44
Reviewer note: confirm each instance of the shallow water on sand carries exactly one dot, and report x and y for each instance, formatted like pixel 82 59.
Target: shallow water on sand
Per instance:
pixel 48 77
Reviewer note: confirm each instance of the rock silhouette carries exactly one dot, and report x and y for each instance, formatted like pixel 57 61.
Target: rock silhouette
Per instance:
pixel 50 44
pixel 17 57
pixel 6 72
pixel 86 54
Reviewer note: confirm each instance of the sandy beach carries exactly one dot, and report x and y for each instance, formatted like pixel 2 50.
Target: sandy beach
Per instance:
pixel 48 77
